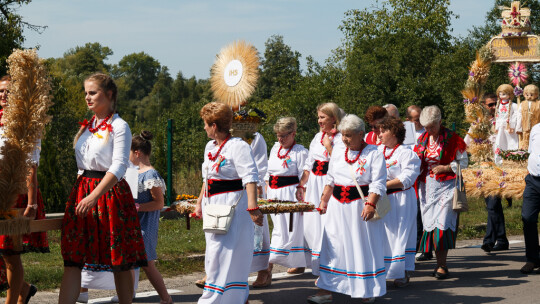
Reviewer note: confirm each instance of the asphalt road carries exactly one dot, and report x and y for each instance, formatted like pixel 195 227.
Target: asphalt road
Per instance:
pixel 475 277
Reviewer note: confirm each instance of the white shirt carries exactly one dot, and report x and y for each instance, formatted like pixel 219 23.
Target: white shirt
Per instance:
pixel 258 148
pixel 318 152
pixel 295 161
pixel 34 156
pixel 93 153
pixel 369 169
pixel 534 150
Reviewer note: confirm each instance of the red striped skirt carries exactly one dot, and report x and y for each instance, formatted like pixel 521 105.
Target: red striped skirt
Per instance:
pixel 109 236
pixel 32 242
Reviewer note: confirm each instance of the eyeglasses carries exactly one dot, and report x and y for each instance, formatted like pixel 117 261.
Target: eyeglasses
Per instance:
pixel 491 104
pixel 283 135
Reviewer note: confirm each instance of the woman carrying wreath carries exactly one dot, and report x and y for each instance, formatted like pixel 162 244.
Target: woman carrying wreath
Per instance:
pixel 100 226
pixel 352 246
pixel 32 202
pixel 285 166
pixel 228 167
pixel 311 184
pixel 402 169
pixel 440 151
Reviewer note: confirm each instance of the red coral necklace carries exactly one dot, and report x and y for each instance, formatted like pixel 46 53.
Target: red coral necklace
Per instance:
pixel 279 151
pixel 391 153
pixel 357 156
pixel 213 158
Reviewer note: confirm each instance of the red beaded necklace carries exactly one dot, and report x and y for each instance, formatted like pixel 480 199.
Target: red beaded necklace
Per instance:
pixel 322 137
pixel 391 153
pixel 213 158
pixel 357 156
pixel 104 125
pixel 279 151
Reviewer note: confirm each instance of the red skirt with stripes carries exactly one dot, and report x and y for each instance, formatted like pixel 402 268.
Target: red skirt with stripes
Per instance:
pixel 109 236
pixel 32 242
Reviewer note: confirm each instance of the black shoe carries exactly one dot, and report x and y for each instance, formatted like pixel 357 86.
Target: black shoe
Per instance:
pixel 425 256
pixel 441 276
pixel 487 247
pixel 31 292
pixel 500 247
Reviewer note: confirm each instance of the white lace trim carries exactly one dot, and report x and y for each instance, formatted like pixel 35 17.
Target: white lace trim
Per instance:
pixel 151 183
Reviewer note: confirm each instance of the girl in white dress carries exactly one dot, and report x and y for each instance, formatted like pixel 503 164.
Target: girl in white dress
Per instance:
pixel 311 184
pixel 506 121
pixel 284 170
pixel 402 169
pixel 228 167
pixel 352 246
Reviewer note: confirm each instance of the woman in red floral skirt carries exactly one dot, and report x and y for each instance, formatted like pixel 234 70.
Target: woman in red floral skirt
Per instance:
pixel 100 226
pixel 12 271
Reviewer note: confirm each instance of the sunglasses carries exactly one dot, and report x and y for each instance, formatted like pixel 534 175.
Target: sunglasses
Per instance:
pixel 492 104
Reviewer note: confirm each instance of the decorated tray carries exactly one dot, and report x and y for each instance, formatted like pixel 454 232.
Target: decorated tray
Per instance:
pixel 187 206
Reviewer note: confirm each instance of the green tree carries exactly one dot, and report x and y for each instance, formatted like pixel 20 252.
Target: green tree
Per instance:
pixel 12 26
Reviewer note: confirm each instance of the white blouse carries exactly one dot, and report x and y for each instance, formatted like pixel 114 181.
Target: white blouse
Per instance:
pixel 534 149
pixel 369 169
pixel 234 162
pixel 93 153
pixel 295 162
pixel 318 152
pixel 258 147
pixel 34 157
pixel 403 164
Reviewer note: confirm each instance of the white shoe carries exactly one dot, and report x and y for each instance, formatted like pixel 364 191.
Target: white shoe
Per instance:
pixel 116 300
pixel 83 297
pixel 321 299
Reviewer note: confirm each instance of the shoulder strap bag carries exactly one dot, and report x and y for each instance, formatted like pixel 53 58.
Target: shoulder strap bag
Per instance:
pixel 460 203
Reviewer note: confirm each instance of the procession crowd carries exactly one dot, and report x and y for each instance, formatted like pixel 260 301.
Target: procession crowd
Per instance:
pixel 380 197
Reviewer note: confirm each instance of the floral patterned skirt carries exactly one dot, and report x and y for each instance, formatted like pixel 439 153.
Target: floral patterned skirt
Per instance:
pixel 107 238
pixel 32 242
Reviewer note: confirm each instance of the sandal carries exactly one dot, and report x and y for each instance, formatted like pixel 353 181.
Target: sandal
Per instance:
pixel 265 283
pixel 439 275
pixel 200 283
pixel 297 270
pixel 403 281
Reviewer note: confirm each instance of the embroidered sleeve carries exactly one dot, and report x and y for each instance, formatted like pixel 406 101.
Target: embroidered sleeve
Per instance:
pixel 151 183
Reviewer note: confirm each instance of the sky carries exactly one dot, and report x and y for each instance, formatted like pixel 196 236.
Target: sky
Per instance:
pixel 186 35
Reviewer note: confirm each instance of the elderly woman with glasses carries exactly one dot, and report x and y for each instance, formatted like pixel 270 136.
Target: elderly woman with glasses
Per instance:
pixel 285 167
pixel 352 246
pixel 440 151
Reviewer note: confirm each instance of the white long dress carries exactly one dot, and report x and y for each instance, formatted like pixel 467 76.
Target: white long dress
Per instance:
pixel 352 249
pixel 400 222
pixel 506 117
pixel 261 257
pixel 228 256
pixel 313 221
pixel 287 248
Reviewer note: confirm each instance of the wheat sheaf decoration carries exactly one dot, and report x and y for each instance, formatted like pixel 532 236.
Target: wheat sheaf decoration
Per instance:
pixel 25 119
pixel 235 73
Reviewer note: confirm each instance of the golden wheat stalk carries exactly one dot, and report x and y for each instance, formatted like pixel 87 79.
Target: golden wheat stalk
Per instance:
pixel 25 120
pixel 237 95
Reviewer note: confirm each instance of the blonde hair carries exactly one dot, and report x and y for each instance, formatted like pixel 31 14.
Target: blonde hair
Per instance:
pixel 509 90
pixel 333 110
pixel 531 88
pixel 107 84
pixel 285 125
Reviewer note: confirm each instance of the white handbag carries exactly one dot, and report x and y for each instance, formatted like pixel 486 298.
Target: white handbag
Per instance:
pixel 217 218
pixel 383 204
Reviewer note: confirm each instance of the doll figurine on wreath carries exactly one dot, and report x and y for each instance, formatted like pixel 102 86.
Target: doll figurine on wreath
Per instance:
pixel 506 121
pixel 529 111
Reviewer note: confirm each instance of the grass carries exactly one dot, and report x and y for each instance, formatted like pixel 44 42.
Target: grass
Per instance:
pixel 176 244
pixel 472 224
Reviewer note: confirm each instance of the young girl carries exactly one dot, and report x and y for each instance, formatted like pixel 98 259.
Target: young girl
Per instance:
pixel 149 204
pixel 506 118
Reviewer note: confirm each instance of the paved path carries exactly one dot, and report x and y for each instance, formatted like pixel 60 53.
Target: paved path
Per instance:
pixel 475 277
